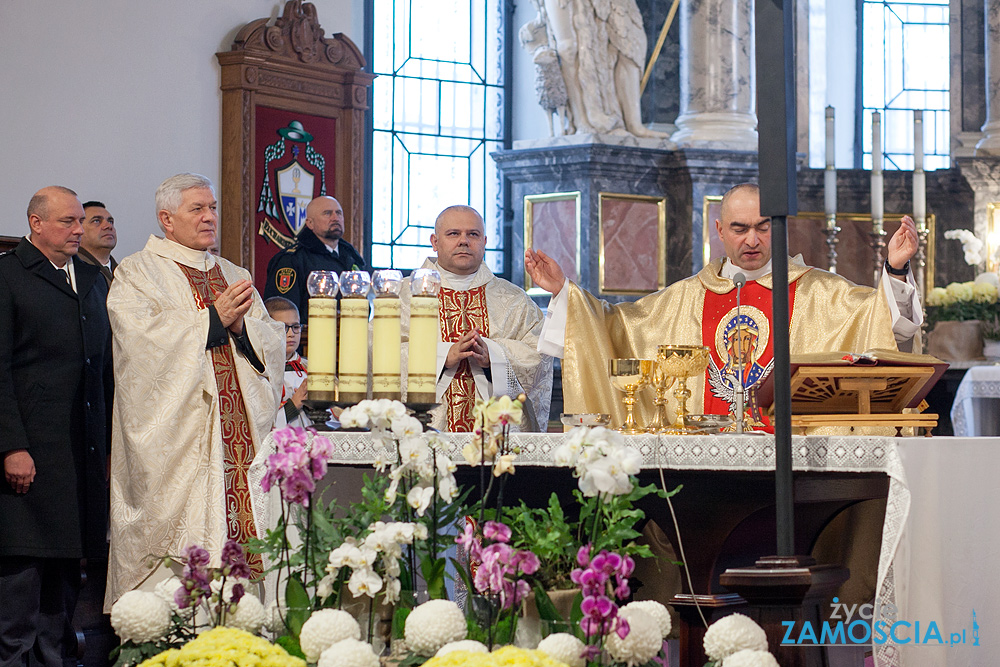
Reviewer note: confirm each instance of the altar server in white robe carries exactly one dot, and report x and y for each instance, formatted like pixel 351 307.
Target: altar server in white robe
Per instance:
pixel 198 373
pixel 488 329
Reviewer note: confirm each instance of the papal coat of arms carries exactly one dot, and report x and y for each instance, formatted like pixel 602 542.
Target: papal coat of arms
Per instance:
pixel 292 168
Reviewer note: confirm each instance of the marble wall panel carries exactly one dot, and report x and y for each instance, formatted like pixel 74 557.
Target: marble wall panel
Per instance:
pixel 553 225
pixel 632 244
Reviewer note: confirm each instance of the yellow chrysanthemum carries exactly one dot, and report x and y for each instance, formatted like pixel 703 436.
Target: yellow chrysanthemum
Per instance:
pixel 508 656
pixel 225 647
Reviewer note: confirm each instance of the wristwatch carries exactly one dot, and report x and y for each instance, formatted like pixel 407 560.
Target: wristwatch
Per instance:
pixel 897 272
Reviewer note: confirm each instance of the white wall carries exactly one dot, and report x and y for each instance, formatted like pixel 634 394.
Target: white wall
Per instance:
pixel 110 97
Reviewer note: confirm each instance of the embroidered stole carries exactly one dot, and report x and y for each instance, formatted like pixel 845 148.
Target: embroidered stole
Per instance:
pixel 237 444
pixel 729 338
pixel 460 312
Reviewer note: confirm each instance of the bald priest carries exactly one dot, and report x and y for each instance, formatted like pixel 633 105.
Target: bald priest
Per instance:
pixel 828 313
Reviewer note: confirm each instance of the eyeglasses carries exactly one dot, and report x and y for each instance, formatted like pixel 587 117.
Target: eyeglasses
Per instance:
pixel 294 328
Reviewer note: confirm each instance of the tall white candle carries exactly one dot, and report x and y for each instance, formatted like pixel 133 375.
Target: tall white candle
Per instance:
pixel 877 203
pixel 830 175
pixel 919 177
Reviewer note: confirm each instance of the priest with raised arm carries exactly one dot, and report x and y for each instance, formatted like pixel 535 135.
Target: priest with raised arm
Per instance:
pixel 828 313
pixel 489 329
pixel 198 372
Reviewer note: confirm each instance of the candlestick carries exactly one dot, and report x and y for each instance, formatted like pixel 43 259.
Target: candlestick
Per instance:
pixel 424 333
pixel 353 367
pixel 322 345
pixel 830 175
pixel 877 204
pixel 386 337
pixel 919 177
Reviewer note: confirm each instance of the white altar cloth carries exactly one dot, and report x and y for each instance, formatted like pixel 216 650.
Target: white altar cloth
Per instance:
pixel 721 452
pixel 976 410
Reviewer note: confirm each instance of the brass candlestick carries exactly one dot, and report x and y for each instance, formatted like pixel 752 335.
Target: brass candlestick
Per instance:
pixel 629 376
pixel 681 362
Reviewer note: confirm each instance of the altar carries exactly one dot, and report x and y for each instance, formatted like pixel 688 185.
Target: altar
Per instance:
pixel 831 473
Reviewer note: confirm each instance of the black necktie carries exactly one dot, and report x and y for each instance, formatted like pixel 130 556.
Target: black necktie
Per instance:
pixel 65 274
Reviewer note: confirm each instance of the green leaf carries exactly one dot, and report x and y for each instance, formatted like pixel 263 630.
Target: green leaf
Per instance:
pixel 433 571
pixel 463 573
pixel 291 645
pixel 298 604
pixel 546 610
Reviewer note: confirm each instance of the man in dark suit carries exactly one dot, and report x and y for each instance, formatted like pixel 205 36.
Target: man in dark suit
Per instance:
pixel 56 385
pixel 99 238
pixel 319 247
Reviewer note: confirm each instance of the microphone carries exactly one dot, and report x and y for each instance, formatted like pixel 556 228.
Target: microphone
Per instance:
pixel 739 280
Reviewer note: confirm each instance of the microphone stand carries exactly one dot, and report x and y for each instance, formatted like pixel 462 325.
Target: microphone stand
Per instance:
pixel 739 280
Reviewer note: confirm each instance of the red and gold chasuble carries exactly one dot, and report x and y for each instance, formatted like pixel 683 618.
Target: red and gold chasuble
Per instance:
pixel 237 443
pixel 729 338
pixel 459 313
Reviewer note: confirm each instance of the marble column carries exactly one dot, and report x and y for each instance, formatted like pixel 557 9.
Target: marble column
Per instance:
pixel 717 103
pixel 990 143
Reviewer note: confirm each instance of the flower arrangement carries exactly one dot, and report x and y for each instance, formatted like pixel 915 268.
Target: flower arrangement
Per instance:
pixel 152 622
pixel 224 647
pixel 973 300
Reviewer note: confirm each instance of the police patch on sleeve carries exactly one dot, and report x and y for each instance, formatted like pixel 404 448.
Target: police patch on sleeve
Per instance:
pixel 284 279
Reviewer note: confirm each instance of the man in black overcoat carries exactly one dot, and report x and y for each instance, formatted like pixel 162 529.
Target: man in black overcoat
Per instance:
pixel 56 386
pixel 319 247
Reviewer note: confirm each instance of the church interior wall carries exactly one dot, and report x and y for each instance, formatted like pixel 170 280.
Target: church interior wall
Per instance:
pixel 110 97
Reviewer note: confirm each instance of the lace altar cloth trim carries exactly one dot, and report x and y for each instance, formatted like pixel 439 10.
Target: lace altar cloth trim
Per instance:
pixel 716 452
pixel 979 382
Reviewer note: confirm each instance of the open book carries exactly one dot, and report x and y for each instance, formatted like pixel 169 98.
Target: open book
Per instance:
pixel 872 382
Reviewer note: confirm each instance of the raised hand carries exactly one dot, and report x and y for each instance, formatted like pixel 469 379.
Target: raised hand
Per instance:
pixel 903 244
pixel 544 270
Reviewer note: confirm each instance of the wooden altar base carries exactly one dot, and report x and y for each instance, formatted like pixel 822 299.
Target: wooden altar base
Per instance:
pixel 779 589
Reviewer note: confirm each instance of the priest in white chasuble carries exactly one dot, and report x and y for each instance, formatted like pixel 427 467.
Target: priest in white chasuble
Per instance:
pixel 828 313
pixel 488 330
pixel 198 372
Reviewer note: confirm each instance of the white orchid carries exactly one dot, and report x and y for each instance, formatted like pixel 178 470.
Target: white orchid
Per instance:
pixel 364 581
pixel 601 460
pixel 972 246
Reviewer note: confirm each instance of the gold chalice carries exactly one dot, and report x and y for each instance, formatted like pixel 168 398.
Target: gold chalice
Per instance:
pixel 661 382
pixel 629 376
pixel 681 362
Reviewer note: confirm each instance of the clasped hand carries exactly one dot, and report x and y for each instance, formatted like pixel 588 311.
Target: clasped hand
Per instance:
pixel 470 346
pixel 233 303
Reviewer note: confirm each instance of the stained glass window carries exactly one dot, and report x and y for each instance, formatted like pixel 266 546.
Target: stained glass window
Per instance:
pixel 906 67
pixel 438 114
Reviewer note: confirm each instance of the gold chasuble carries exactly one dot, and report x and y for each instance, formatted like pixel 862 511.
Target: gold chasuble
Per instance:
pixel 238 449
pixel 188 418
pixel 459 313
pixel 828 314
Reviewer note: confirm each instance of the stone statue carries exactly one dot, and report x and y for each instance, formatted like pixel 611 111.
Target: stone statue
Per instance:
pixel 601 46
pixel 550 87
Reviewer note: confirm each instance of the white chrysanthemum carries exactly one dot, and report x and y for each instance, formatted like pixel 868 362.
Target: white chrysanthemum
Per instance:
pixel 733 633
pixel 140 616
pixel 470 645
pixel 325 628
pixel 272 618
pixel 657 611
pixel 249 614
pixel 434 624
pixel 564 647
pixel 749 658
pixel 643 641
pixel 349 653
